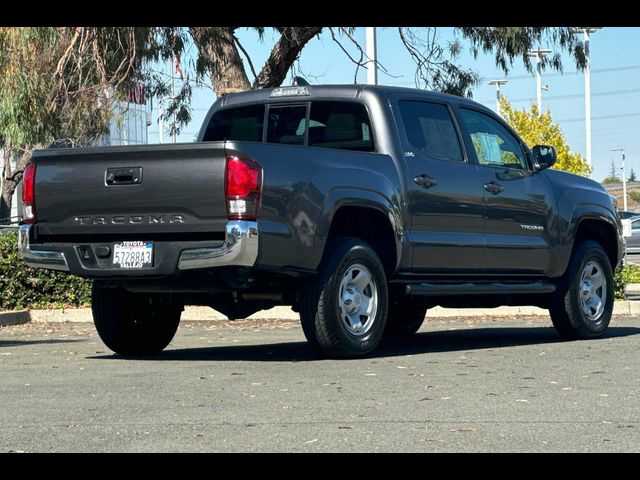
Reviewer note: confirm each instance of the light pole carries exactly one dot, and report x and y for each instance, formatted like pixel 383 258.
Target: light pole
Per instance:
pixel 372 69
pixel 587 89
pixel 498 84
pixel 160 122
pixel 540 53
pixel 624 177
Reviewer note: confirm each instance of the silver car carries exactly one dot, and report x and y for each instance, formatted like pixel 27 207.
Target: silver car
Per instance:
pixel 633 242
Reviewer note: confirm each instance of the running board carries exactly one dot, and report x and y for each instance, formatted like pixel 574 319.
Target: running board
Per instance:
pixel 438 289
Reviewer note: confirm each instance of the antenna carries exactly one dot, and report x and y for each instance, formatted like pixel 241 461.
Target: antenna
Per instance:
pixel 300 82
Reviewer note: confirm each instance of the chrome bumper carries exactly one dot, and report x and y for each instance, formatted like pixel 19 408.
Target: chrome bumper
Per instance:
pixel 39 258
pixel 240 249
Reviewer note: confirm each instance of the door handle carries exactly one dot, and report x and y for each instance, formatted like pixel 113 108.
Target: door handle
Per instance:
pixel 123 176
pixel 425 181
pixel 493 187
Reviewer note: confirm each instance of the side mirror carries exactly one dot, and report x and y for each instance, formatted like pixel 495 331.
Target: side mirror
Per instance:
pixel 544 156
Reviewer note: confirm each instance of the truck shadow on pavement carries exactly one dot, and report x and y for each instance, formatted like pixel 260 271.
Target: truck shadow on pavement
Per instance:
pixel 421 343
pixel 24 343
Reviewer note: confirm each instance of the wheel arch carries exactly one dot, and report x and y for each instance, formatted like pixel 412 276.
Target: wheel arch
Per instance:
pixel 371 217
pixel 600 229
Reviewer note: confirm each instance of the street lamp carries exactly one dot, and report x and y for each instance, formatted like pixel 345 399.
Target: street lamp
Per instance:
pixel 498 83
pixel 624 177
pixel 372 68
pixel 540 53
pixel 587 88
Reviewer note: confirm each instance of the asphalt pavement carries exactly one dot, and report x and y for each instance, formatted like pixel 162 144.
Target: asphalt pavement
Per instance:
pixel 459 385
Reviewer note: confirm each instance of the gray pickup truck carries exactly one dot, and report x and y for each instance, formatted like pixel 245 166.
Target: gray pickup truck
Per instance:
pixel 359 206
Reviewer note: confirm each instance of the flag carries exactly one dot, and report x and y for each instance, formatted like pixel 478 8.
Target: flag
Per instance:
pixel 137 94
pixel 176 62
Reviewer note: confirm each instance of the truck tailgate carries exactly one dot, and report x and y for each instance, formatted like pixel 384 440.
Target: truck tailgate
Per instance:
pixel 141 189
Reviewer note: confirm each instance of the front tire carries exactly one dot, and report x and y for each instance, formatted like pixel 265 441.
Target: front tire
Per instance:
pixel 344 309
pixel 134 323
pixel 582 306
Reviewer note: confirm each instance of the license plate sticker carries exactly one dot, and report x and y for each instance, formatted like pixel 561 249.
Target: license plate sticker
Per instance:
pixel 133 255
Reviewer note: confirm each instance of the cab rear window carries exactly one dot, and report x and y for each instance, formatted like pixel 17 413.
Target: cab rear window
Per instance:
pixel 326 124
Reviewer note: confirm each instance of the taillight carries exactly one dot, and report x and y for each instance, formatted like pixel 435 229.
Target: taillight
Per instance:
pixel 243 179
pixel 28 194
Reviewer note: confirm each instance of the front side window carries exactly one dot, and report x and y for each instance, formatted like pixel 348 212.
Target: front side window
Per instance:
pixel 240 124
pixel 287 124
pixel 430 130
pixel 494 145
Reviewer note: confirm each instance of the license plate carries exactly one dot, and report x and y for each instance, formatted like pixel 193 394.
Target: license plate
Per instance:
pixel 133 255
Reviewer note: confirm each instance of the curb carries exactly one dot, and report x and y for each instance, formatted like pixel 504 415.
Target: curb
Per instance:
pixel 73 315
pixel 206 314
pixel 16 317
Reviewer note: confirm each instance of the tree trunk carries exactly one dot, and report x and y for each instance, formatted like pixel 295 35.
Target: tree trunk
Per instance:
pixel 217 46
pixel 285 52
pixel 10 180
pixel 5 205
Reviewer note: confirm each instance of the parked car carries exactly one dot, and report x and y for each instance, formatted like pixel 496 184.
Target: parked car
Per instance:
pixel 627 214
pixel 359 206
pixel 633 241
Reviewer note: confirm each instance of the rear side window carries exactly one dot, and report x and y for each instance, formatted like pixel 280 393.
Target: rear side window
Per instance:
pixel 430 130
pixel 241 124
pixel 287 124
pixel 341 125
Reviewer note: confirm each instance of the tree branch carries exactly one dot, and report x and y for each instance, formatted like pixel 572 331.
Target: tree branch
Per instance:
pixel 283 54
pixel 359 63
pixel 246 54
pixel 221 57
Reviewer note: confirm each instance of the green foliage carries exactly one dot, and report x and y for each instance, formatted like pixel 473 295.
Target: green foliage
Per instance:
pixel 613 175
pixel 632 176
pixel 40 100
pixel 509 44
pixel 630 273
pixel 610 180
pixel 25 287
pixel 635 195
pixel 537 128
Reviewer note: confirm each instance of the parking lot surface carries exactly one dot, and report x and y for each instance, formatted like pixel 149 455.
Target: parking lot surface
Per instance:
pixel 461 385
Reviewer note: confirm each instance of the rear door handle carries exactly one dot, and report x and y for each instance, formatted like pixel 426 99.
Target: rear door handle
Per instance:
pixel 425 181
pixel 493 187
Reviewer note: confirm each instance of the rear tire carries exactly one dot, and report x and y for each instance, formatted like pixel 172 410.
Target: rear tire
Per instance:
pixel 134 323
pixel 344 309
pixel 406 316
pixel 583 303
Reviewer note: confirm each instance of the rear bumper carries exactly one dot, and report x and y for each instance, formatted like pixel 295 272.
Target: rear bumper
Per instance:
pixel 239 249
pixel 33 257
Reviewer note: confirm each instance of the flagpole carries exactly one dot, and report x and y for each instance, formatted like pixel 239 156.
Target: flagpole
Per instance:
pixel 173 96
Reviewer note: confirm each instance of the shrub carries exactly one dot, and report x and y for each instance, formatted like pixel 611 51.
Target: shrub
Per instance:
pixel 630 273
pixel 25 287
pixel 635 195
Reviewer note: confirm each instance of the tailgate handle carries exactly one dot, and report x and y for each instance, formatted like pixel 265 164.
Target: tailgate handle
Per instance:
pixel 123 176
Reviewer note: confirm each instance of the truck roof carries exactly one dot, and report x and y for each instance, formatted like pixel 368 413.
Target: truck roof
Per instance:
pixel 333 91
